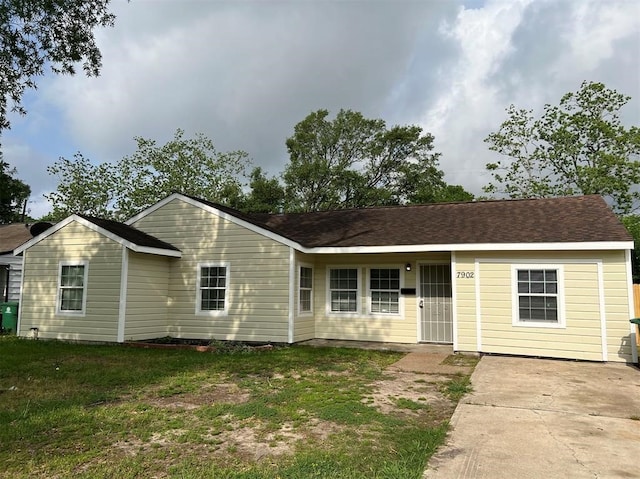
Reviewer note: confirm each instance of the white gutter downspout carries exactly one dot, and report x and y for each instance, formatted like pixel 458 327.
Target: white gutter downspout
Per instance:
pixel 122 310
pixel 292 284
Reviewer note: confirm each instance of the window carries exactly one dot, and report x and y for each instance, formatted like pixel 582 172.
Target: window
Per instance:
pixel 71 287
pixel 213 282
pixel 306 288
pixel 384 285
pixel 343 290
pixel 538 295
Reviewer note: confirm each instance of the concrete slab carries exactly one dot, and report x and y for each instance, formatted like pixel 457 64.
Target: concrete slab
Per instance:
pixel 537 418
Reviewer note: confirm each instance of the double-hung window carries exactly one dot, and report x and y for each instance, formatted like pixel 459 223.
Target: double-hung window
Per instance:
pixel 538 297
pixel 213 285
pixel 343 290
pixel 72 283
pixel 306 289
pixel 384 287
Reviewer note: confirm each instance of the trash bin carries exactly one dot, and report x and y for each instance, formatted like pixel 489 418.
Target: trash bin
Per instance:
pixel 9 312
pixel 636 321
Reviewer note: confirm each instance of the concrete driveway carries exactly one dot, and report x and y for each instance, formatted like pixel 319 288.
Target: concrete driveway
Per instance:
pixel 539 418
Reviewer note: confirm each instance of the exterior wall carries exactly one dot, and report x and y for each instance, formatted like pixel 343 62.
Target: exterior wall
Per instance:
pixel 402 328
pixel 595 295
pixel 147 296
pixel 15 276
pixel 258 294
pixel 40 286
pixel 304 323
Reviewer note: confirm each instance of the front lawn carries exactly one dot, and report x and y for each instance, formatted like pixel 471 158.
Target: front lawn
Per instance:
pixel 92 411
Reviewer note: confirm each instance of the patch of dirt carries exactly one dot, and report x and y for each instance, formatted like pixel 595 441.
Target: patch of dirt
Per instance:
pixel 421 389
pixel 222 393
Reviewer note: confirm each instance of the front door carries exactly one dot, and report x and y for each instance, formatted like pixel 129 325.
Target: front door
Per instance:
pixel 436 320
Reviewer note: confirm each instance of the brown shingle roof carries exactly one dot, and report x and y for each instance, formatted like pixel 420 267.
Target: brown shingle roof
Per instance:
pixel 12 236
pixel 130 233
pixel 550 220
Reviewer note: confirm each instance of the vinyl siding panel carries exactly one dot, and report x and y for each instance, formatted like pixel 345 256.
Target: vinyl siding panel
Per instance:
pixel 580 338
pixel 258 295
pixel 401 328
pixel 147 296
pixel 74 242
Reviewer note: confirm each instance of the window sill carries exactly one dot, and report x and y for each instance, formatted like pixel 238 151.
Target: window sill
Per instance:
pixel 536 324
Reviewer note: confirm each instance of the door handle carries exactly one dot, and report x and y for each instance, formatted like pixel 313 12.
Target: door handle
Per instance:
pixel 421 304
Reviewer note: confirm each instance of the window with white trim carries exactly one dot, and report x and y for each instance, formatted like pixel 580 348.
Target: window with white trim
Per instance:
pixel 72 282
pixel 538 295
pixel 213 285
pixel 384 288
pixel 306 289
pixel 343 290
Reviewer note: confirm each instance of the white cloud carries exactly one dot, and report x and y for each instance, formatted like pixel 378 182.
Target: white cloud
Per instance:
pixel 244 73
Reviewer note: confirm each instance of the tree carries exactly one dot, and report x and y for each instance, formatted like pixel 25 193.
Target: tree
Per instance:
pixel 190 166
pixel 14 194
pixel 577 147
pixel 35 33
pixel 266 195
pixel 632 223
pixel 353 161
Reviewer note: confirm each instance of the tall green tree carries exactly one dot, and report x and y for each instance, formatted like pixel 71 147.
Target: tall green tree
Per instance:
pixel 576 147
pixel 352 161
pixel 14 194
pixel 37 33
pixel 187 165
pixel 266 195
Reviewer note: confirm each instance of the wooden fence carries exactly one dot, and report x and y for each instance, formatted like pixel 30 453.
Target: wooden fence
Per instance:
pixel 636 300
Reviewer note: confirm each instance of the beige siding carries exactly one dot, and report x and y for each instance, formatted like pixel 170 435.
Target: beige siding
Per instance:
pixel 304 323
pixel 402 328
pixel 147 296
pixel 581 337
pixel 259 275
pixel 38 306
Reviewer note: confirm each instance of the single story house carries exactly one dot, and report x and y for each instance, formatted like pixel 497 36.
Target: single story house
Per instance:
pixel 539 277
pixel 11 236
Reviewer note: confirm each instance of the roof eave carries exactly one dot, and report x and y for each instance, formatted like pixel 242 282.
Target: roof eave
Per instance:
pixel 568 246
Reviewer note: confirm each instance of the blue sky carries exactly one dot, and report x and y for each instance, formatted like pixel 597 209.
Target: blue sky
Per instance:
pixel 244 73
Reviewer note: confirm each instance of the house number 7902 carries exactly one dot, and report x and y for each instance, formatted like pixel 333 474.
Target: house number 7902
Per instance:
pixel 464 274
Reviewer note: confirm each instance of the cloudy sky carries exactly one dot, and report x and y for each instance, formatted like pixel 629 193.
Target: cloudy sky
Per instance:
pixel 244 73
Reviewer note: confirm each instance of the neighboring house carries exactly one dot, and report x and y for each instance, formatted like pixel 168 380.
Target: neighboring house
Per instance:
pixel 11 236
pixel 544 277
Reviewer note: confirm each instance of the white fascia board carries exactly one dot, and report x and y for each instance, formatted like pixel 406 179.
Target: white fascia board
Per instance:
pixel 100 230
pixel 157 251
pixel 45 234
pixel 156 206
pixel 577 246
pixel 220 214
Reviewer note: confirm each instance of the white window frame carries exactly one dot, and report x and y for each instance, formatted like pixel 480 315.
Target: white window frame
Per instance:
pixel 214 312
pixel 561 323
pixel 302 312
pixel 343 314
pixel 85 281
pixel 370 311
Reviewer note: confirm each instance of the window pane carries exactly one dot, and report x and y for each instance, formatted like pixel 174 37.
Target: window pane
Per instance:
pixel 343 301
pixel 536 275
pixel 71 299
pixel 306 277
pixel 305 300
pixel 537 288
pixel 523 275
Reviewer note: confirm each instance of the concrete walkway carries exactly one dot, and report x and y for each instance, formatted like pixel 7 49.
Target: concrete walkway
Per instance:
pixel 538 418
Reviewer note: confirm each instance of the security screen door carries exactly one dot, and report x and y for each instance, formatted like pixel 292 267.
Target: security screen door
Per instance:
pixel 435 303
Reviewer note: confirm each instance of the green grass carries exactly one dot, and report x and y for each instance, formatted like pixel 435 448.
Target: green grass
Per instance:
pixel 91 411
